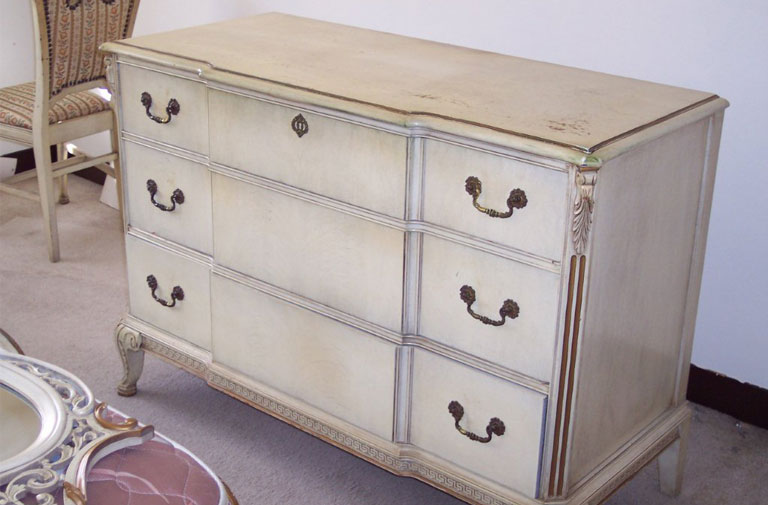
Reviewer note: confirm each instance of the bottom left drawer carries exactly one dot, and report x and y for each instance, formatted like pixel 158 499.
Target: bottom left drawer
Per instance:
pixel 169 291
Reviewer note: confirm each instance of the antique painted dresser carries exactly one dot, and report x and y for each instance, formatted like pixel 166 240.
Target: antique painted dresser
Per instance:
pixel 468 268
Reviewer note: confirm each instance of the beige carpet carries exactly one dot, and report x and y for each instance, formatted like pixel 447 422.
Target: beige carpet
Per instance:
pixel 64 313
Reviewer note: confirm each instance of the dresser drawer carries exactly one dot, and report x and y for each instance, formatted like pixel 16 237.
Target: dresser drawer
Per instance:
pixel 189 318
pixel 511 459
pixel 524 343
pixel 341 160
pixel 339 260
pixel 187 129
pixel 538 227
pixel 329 365
pixel 168 196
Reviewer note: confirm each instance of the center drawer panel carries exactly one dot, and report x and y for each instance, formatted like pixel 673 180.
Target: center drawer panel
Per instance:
pixel 327 364
pixel 347 162
pixel 511 459
pixel 188 222
pixel 524 343
pixel 190 316
pixel 336 259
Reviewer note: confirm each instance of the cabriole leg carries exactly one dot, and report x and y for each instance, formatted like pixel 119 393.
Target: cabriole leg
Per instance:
pixel 132 356
pixel 672 463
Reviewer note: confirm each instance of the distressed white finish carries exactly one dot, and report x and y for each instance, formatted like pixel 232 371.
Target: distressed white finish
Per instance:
pixel 190 222
pixel 526 343
pixel 511 459
pixel 536 229
pixel 638 287
pixel 315 252
pixel 190 318
pixel 188 129
pixel 327 364
pixel 352 163
pixel 338 256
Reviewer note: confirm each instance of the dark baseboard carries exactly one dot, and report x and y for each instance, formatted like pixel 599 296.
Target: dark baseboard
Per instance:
pixel 743 401
pixel 25 160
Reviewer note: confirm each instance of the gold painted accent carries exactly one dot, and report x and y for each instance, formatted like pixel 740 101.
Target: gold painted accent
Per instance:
pixel 563 375
pixel 74 493
pixel 82 466
pixel 571 373
pixel 230 495
pixel 129 424
pixel 566 383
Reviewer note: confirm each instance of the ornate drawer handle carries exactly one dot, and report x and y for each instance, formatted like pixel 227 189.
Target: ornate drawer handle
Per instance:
pixel 176 197
pixel 172 109
pixel 509 308
pixel 176 294
pixel 300 125
pixel 495 425
pixel 516 200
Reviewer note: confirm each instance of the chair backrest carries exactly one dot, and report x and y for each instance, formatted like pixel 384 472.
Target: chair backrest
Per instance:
pixel 70 33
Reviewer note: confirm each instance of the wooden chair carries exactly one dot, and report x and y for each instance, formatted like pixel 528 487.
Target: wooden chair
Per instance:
pixel 58 107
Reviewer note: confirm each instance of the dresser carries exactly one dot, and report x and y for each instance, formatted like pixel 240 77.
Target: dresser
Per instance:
pixel 472 269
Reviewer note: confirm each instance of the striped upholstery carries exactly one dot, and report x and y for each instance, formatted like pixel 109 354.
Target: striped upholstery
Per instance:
pixel 18 102
pixel 75 29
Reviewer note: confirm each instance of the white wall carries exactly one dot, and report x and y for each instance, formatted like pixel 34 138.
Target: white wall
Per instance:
pixel 704 44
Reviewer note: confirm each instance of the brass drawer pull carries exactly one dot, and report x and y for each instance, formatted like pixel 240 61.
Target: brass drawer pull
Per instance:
pixel 177 197
pixel 509 309
pixel 172 109
pixel 300 125
pixel 495 425
pixel 176 294
pixel 516 200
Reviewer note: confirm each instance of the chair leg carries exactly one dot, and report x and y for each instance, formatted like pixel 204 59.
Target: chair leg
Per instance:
pixel 61 154
pixel 115 141
pixel 47 203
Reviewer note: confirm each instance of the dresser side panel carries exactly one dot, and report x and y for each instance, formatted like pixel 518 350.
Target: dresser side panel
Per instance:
pixel 643 236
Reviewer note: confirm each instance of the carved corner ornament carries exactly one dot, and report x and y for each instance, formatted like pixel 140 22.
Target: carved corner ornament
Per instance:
pixel 583 206
pixel 110 69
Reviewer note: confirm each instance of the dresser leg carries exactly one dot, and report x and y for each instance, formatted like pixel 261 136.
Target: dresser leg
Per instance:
pixel 672 463
pixel 132 356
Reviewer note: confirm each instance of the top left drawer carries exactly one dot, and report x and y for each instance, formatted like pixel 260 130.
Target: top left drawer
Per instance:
pixel 178 107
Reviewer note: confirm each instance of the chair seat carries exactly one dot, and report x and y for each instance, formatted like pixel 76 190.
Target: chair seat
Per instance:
pixel 18 102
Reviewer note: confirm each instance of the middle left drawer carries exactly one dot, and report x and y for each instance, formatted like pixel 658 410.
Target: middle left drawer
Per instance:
pixel 168 196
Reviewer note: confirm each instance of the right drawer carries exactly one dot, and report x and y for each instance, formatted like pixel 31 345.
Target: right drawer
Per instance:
pixel 454 174
pixel 525 342
pixel 511 459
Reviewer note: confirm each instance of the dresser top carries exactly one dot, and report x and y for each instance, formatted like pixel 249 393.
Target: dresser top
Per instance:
pixel 416 82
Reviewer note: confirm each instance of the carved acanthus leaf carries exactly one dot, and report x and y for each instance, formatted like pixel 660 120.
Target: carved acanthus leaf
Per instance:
pixel 583 207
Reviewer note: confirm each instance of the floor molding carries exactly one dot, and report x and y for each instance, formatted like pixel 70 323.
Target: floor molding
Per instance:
pixel 746 402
